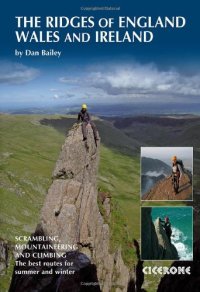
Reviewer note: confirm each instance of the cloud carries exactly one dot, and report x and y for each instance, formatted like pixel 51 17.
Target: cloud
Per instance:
pixel 145 79
pixel 16 73
pixel 53 89
pixel 61 95
pixel 69 80
pixel 56 96
pixel 137 81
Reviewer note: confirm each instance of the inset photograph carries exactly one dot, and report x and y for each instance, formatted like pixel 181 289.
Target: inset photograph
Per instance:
pixel 167 233
pixel 166 173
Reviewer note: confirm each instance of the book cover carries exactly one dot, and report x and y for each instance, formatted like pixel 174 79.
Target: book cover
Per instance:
pixel 99 146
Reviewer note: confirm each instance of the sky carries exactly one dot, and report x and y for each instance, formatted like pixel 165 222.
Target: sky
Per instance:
pixel 166 70
pixel 165 154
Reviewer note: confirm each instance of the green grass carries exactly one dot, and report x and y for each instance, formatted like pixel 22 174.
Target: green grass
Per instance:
pixel 119 175
pixel 28 154
pixel 6 276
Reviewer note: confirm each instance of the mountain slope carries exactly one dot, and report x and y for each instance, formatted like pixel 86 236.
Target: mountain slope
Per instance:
pixel 111 136
pixel 174 130
pixel 26 147
pixel 154 165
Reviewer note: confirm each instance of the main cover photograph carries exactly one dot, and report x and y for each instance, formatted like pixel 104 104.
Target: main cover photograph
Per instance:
pixel 100 123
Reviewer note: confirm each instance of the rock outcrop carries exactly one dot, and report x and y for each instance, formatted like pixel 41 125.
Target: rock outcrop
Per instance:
pixel 4 256
pixel 49 273
pixel 71 213
pixel 163 190
pixel 155 244
pixel 183 282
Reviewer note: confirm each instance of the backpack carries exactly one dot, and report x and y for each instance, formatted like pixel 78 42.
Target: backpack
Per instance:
pixel 180 162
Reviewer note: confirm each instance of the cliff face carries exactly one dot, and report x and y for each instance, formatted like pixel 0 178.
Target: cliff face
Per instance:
pixel 155 244
pixel 166 249
pixel 71 212
pixel 163 190
pixel 149 247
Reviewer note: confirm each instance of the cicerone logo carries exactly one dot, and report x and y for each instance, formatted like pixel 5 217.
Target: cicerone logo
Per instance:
pixel 165 270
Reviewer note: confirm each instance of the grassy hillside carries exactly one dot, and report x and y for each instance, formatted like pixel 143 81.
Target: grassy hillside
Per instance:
pixel 161 130
pixel 111 137
pixel 119 175
pixel 28 154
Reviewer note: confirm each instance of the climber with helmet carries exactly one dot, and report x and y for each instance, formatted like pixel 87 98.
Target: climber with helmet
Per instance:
pixel 175 167
pixel 167 226
pixel 84 117
pixel 178 162
pixel 177 170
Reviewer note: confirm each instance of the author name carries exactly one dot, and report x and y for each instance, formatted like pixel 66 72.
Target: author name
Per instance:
pixel 38 53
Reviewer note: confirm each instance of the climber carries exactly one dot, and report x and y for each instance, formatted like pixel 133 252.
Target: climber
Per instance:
pixel 178 162
pixel 167 226
pixel 84 117
pixel 177 171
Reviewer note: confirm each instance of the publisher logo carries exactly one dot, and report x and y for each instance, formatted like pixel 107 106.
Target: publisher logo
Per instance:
pixel 165 270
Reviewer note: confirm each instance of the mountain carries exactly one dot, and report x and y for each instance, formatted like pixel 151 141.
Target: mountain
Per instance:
pixel 150 165
pixel 160 130
pixel 154 242
pixel 71 213
pixel 153 170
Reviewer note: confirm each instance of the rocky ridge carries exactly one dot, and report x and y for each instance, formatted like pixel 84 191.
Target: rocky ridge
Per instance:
pixel 163 190
pixel 71 213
